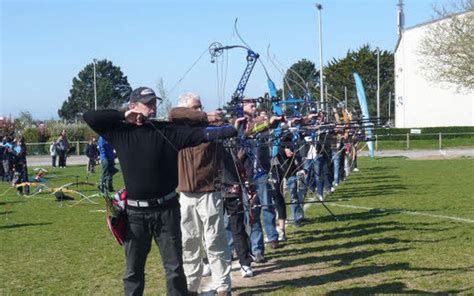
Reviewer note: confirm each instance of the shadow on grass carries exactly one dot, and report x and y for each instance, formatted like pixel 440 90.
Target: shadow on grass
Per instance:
pixel 340 259
pixel 392 288
pixel 2 203
pixel 353 232
pixel 378 169
pixel 315 236
pixel 347 245
pixel 347 274
pixel 5 213
pixel 346 217
pixel 345 228
pixel 23 225
pixel 374 179
pixel 382 189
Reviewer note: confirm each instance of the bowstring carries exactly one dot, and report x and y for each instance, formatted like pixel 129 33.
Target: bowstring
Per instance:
pixel 187 71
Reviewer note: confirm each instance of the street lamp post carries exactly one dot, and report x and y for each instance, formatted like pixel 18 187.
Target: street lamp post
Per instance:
pixel 321 76
pixel 95 86
pixel 378 85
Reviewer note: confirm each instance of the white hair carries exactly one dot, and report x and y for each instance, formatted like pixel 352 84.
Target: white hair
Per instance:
pixel 184 99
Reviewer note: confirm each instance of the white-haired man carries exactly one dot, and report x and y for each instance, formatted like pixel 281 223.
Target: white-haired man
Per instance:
pixel 202 210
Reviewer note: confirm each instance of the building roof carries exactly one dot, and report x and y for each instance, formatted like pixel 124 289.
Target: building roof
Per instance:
pixel 427 23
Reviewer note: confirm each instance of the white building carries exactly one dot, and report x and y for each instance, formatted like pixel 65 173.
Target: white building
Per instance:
pixel 418 101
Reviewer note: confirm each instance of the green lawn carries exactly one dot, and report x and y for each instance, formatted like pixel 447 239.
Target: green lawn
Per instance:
pixel 383 243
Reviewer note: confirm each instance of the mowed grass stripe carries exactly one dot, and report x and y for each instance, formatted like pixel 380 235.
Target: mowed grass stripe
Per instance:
pixel 54 249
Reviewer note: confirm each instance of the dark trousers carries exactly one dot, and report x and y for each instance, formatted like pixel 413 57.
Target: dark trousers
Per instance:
pixel 274 187
pixel 62 158
pixel 53 160
pixel 163 225
pixel 279 199
pixel 108 171
pixel 234 208
pixel 91 165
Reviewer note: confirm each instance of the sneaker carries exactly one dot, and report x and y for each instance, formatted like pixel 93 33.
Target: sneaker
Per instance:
pixel 259 258
pixel 320 197
pixel 281 235
pixel 246 271
pixel 206 270
pixel 356 170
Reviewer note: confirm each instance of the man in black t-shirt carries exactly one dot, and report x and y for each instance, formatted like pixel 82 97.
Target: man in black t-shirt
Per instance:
pixel 147 152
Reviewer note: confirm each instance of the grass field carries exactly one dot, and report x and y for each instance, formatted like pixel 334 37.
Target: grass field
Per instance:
pixel 406 226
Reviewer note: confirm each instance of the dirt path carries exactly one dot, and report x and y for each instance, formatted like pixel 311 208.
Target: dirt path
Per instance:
pixel 266 275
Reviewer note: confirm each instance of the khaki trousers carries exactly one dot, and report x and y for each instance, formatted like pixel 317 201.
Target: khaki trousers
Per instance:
pixel 202 221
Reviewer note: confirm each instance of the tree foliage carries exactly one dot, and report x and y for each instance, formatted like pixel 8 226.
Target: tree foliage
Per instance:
pixel 447 48
pixel 302 76
pixel 23 121
pixel 338 75
pixel 113 90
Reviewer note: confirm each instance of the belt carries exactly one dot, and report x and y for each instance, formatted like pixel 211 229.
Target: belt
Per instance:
pixel 151 202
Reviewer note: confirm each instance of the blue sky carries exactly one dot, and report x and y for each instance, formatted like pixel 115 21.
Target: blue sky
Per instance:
pixel 44 44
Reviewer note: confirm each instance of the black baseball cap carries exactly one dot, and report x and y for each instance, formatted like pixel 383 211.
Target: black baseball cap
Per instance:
pixel 143 95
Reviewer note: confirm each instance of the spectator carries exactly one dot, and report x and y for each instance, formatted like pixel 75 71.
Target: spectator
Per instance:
pixel 2 148
pixel 20 167
pixel 53 150
pixel 7 161
pixel 62 148
pixel 107 160
pixel 92 153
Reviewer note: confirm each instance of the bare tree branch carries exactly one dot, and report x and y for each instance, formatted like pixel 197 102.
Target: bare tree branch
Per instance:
pixel 447 49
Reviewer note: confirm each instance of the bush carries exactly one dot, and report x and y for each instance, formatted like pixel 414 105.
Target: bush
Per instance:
pixel 32 135
pixel 74 132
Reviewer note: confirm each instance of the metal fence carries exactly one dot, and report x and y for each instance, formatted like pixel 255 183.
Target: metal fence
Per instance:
pixel 423 141
pixel 43 148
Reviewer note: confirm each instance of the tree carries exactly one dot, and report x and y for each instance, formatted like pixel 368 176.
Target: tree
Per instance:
pixel 447 48
pixel 165 105
pixel 23 121
pixel 300 77
pixel 338 75
pixel 113 90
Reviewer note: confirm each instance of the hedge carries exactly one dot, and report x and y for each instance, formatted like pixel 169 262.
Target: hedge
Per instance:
pixel 425 130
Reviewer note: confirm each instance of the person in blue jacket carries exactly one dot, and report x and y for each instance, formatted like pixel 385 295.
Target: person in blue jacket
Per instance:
pixel 107 160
